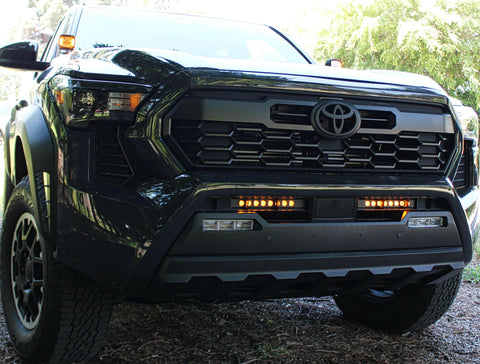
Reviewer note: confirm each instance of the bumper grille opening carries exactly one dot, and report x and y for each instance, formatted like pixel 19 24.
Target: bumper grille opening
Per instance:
pixel 460 180
pixel 379 216
pixel 110 163
pixel 285 216
pixel 462 177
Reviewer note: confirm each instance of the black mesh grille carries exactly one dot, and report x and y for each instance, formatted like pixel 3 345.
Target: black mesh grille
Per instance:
pixel 110 164
pixel 250 145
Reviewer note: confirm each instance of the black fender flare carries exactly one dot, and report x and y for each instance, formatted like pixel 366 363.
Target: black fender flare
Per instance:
pixel 29 127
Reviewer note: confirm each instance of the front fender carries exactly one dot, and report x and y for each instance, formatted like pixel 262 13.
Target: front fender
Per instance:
pixel 30 128
pixel 31 150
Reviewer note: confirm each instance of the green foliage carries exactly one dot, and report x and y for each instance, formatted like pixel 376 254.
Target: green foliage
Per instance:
pixel 10 85
pixel 48 14
pixel 471 274
pixel 435 38
pixel 269 352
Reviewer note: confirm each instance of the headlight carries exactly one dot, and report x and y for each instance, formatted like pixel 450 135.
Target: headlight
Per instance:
pixel 468 119
pixel 82 102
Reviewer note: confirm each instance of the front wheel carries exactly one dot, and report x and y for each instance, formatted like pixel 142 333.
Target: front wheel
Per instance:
pixel 411 308
pixel 53 314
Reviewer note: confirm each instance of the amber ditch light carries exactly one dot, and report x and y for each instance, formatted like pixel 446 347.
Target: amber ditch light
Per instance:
pixel 66 42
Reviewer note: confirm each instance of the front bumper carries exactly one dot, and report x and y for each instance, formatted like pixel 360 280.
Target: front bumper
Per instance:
pixel 279 260
pixel 149 244
pixel 287 250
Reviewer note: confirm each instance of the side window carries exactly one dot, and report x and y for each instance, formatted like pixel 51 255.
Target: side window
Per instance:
pixel 52 48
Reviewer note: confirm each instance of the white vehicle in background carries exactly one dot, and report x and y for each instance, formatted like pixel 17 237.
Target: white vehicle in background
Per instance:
pixel 5 109
pixel 468 116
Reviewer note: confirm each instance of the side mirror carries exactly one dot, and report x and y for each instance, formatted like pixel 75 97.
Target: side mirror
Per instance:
pixel 334 63
pixel 22 56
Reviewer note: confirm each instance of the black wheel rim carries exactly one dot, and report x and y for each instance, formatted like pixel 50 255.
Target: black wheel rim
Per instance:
pixel 27 271
pixel 379 296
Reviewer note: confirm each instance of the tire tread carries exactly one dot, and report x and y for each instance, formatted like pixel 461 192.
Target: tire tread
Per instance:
pixel 76 311
pixel 85 315
pixel 413 308
pixel 443 297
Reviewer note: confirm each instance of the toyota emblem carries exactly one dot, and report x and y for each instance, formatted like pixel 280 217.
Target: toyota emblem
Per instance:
pixel 335 119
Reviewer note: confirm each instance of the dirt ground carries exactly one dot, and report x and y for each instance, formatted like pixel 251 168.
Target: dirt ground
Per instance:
pixel 308 330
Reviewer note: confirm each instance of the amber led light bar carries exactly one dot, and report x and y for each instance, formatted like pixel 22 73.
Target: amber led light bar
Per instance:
pixel 268 203
pixel 375 204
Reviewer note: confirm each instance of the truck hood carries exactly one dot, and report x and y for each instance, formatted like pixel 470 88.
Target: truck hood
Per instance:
pixel 297 69
pixel 152 66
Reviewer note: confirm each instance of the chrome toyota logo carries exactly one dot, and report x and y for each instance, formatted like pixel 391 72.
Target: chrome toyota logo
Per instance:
pixel 336 119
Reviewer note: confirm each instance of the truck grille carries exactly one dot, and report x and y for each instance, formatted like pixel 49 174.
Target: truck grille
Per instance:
pixel 217 144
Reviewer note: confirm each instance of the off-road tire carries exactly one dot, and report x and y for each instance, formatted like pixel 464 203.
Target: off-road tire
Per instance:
pixel 74 312
pixel 7 190
pixel 411 308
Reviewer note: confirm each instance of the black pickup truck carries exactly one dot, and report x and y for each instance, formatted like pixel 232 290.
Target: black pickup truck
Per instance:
pixel 167 157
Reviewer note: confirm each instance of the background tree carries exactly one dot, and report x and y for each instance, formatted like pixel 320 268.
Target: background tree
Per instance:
pixel 436 38
pixel 44 17
pixel 439 38
pixel 37 22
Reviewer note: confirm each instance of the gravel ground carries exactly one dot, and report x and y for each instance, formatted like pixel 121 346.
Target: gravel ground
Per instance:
pixel 309 330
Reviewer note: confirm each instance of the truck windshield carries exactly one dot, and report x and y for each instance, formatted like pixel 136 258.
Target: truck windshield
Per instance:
pixel 207 37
